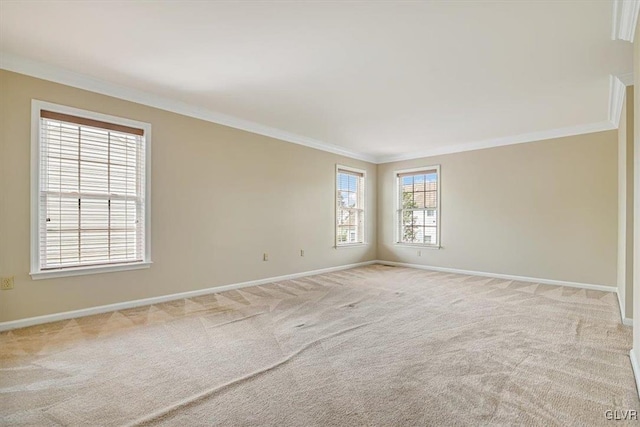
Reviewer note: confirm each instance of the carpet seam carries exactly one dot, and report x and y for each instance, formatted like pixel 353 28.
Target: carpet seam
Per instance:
pixel 211 391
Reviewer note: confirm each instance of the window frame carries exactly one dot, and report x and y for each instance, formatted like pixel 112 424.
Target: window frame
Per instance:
pixel 36 271
pixel 398 208
pixel 337 244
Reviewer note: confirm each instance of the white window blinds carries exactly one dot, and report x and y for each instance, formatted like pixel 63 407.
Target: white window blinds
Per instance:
pixel 91 192
pixel 350 206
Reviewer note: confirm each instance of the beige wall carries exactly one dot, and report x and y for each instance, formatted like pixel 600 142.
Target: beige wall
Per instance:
pixel 625 205
pixel 220 198
pixel 636 192
pixel 546 210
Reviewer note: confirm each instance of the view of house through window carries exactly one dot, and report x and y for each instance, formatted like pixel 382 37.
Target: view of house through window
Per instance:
pixel 418 206
pixel 91 193
pixel 350 206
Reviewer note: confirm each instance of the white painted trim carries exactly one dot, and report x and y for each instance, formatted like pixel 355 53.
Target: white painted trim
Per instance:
pixel 500 142
pixel 621 306
pixel 588 286
pixel 34 228
pixel 340 167
pixel 419 246
pixel 35 270
pixel 398 203
pixel 350 245
pixel 55 74
pixel 617 91
pixel 21 323
pixel 636 369
pixel 614 19
pixel 92 269
pixel 625 16
pixel 625 320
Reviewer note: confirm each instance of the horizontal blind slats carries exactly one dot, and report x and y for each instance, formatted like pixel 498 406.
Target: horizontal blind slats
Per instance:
pixel 91 192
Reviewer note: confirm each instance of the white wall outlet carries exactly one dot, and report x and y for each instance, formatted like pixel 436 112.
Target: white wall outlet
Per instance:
pixel 265 257
pixel 301 252
pixel 419 253
pixel 6 283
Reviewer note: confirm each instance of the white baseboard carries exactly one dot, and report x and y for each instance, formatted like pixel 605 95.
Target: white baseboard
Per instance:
pixel 30 321
pixel 625 320
pixel 589 286
pixel 21 323
pixel 636 370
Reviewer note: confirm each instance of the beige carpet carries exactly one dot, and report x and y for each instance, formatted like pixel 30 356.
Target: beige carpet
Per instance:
pixel 369 346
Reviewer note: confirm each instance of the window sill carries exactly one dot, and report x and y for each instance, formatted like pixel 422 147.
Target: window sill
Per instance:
pixel 350 245
pixel 81 271
pixel 417 246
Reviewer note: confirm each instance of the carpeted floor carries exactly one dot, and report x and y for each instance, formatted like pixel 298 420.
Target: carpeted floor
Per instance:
pixel 369 346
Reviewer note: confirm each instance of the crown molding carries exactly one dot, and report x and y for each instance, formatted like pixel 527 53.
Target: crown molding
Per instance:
pixel 626 79
pixel 55 74
pixel 617 90
pixel 625 17
pixel 508 140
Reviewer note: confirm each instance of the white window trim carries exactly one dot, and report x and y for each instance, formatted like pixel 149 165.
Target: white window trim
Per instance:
pixel 398 206
pixel 36 272
pixel 364 242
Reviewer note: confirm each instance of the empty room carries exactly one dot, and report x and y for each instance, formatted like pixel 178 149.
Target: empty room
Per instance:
pixel 319 213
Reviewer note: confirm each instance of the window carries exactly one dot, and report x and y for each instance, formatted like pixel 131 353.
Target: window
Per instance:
pixel 418 208
pixel 90 192
pixel 349 206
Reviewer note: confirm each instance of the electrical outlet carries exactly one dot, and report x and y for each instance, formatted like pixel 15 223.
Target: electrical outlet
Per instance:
pixel 265 257
pixel 6 283
pixel 301 252
pixel 419 253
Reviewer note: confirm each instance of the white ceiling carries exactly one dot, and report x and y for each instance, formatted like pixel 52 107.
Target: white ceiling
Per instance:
pixel 383 79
